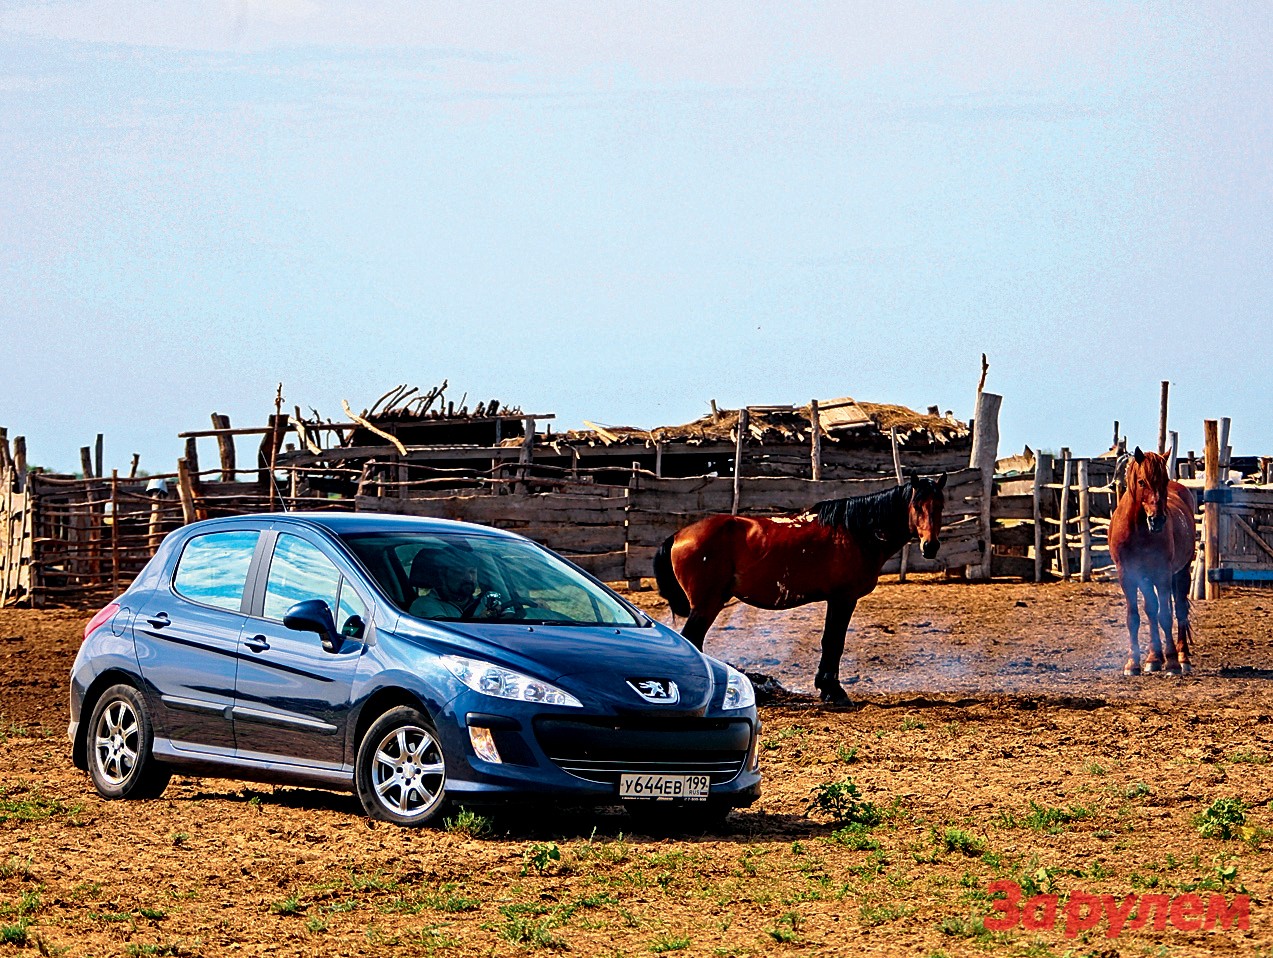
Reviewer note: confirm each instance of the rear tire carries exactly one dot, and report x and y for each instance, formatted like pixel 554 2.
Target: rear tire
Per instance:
pixel 119 739
pixel 401 771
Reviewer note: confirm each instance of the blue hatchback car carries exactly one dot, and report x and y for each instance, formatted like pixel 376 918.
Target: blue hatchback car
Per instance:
pixel 414 662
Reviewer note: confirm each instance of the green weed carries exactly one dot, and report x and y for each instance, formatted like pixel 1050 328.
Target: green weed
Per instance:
pixel 1222 819
pixel 291 905
pixel 1044 818
pixel 957 840
pixel 539 856
pixel 668 943
pixel 784 929
pixel 468 823
pixel 842 802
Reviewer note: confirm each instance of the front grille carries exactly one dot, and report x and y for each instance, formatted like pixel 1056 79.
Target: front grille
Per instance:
pixel 600 750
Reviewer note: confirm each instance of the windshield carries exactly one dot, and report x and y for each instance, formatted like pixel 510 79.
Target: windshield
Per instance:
pixel 459 578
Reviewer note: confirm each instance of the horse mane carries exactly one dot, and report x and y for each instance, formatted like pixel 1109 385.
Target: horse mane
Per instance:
pixel 882 513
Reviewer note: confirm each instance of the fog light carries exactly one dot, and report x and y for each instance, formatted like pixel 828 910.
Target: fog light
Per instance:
pixel 484 744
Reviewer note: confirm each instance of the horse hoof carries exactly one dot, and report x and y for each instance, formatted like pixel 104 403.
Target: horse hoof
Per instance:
pixel 835 697
pixel 1131 670
pixel 1174 670
pixel 1186 668
pixel 1153 666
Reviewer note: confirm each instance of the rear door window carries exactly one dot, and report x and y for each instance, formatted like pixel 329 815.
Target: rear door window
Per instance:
pixel 213 568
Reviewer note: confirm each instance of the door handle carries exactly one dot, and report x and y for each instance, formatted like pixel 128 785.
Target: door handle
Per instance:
pixel 258 643
pixel 160 621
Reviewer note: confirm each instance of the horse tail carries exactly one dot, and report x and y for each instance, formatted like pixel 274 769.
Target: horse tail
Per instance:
pixel 669 587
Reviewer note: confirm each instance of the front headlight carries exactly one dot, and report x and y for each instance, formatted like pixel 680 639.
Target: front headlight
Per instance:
pixel 738 691
pixel 504 683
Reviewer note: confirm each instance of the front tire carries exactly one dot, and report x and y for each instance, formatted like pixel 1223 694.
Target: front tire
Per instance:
pixel 120 761
pixel 401 772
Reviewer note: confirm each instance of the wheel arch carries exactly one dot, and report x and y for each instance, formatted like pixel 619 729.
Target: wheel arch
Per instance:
pixel 112 676
pixel 378 703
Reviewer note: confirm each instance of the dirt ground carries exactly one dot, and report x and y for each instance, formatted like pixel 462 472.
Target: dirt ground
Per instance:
pixel 992 738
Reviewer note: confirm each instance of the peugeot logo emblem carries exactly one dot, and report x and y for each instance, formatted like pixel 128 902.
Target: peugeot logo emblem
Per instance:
pixel 658 691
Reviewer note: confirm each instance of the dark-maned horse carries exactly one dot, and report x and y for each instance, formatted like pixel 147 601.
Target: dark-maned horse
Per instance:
pixel 832 553
pixel 1151 539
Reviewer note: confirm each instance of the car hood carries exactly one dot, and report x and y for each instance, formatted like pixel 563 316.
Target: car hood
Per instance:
pixel 597 660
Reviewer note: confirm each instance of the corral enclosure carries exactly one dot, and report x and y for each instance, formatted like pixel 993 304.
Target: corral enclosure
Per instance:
pixel 606 496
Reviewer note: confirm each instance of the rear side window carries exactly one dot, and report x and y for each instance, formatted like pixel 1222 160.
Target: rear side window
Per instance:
pixel 299 571
pixel 213 568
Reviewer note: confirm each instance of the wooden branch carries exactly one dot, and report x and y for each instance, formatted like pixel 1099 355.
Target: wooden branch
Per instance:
pixel 601 431
pixel 393 440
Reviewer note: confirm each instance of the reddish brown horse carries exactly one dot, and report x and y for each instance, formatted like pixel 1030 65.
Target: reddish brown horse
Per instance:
pixel 1151 538
pixel 832 553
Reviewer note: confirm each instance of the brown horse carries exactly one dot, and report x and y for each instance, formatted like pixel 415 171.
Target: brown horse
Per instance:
pixel 1151 539
pixel 832 553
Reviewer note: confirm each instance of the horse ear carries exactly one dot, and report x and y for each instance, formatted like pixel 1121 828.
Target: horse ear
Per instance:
pixel 941 483
pixel 1140 456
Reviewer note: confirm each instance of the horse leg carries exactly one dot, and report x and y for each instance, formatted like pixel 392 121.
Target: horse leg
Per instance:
pixel 1180 583
pixel 1149 589
pixel 827 681
pixel 1133 625
pixel 700 620
pixel 1163 588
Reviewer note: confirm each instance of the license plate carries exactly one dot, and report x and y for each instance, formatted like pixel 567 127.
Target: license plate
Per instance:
pixel 665 788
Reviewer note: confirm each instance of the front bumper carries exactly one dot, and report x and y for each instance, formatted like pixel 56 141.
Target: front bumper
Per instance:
pixel 564 756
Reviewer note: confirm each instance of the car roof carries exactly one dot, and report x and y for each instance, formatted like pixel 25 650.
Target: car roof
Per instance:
pixel 361 523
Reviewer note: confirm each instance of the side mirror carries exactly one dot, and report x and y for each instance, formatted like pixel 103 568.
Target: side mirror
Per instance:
pixel 313 615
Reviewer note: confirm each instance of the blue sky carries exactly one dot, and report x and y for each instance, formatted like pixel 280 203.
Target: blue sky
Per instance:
pixel 619 211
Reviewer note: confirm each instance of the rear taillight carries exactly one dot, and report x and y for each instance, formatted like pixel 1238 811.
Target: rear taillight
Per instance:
pixel 101 618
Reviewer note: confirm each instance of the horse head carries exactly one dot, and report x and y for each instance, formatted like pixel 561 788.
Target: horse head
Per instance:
pixel 1147 483
pixel 926 504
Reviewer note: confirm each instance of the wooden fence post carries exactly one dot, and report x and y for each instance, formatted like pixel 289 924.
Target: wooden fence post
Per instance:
pixel 526 456
pixel 1085 523
pixel 1042 476
pixel 897 471
pixel 185 488
pixel 6 527
pixel 1173 456
pixel 1162 419
pixel 1225 449
pixel 97 457
pixel 744 423
pixel 634 582
pixel 20 463
pixel 1211 509
pixel 1063 544
pixel 985 450
pixel 115 530
pixel 225 444
pixel 815 441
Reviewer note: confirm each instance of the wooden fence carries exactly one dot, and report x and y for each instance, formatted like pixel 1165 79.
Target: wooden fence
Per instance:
pixel 1056 521
pixel 77 540
pixel 1244 535
pixel 15 537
